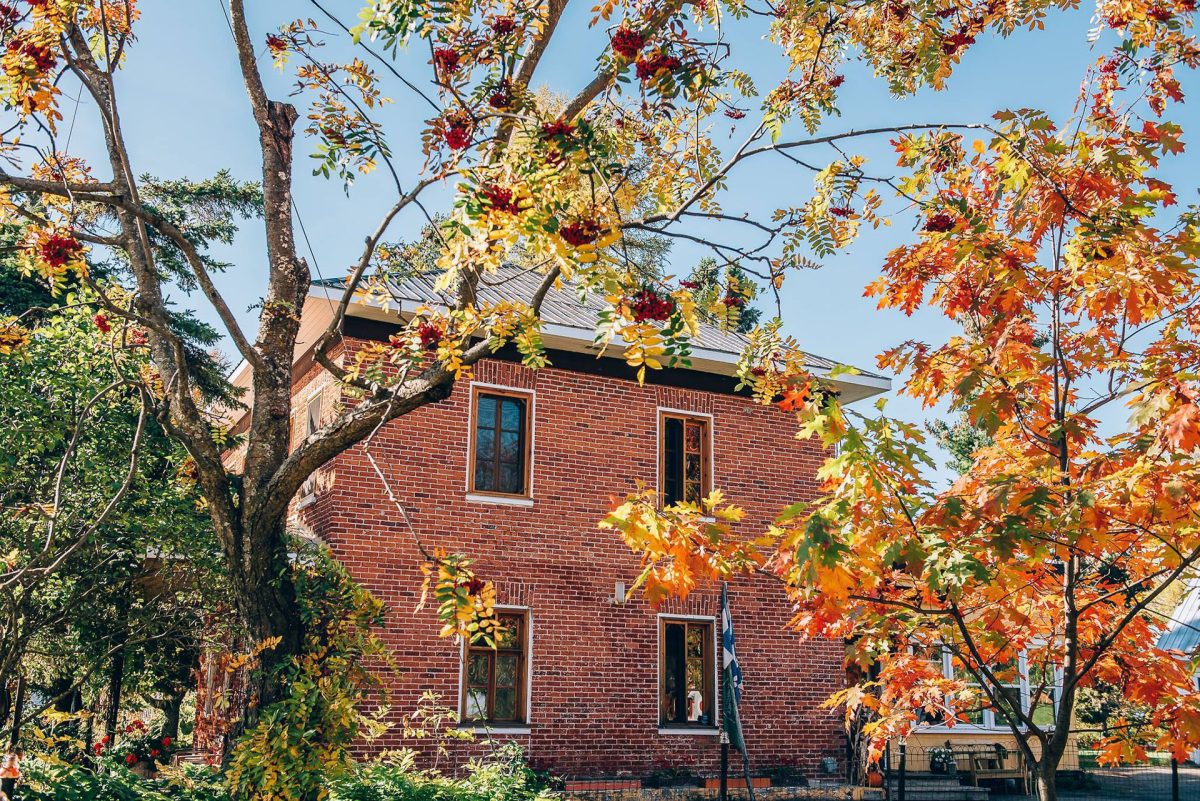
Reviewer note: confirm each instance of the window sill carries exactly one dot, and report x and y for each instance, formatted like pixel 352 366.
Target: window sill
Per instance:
pixel 697 731
pixel 499 500
pixel 501 729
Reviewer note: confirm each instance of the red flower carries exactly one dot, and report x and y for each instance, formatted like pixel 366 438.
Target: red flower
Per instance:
pixel 446 60
pixel 939 223
pixel 130 759
pixel 102 323
pixel 58 250
pixel 504 25
pixel 500 198
pixel 104 740
pixel 276 44
pixel 97 748
pixel 559 127
pixel 578 234
pixel 457 131
pixel 154 753
pixel 627 43
pixel 430 335
pixel 166 741
pixel 649 305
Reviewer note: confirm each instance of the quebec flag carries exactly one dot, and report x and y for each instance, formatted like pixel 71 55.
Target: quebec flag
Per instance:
pixel 731 678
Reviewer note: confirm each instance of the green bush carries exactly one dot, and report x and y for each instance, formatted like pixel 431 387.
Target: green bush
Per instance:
pixel 502 777
pixel 57 781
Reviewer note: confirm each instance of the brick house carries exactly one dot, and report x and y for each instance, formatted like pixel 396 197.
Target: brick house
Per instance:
pixel 516 468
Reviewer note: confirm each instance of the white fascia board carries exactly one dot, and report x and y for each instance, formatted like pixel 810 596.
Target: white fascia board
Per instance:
pixel 853 386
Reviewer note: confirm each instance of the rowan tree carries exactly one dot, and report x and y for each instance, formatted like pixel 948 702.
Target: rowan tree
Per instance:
pixel 561 177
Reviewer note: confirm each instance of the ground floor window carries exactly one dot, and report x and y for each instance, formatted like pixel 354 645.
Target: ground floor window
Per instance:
pixel 1032 688
pixel 687 678
pixel 494 679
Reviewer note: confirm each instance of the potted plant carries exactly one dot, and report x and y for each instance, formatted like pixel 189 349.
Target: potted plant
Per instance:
pixel 941 760
pixel 141 752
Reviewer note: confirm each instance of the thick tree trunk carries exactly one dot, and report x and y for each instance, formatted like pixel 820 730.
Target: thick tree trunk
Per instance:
pixel 170 710
pixel 1044 779
pixel 116 679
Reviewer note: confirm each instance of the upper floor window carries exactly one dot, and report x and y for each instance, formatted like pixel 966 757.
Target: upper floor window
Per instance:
pixel 494 686
pixel 312 416
pixel 500 443
pixel 685 471
pixel 687 681
pixel 1031 688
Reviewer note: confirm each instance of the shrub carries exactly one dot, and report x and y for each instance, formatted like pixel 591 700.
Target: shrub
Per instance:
pixel 51 780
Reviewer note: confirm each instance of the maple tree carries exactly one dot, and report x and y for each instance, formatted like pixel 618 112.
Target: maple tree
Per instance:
pixel 1062 252
pixel 558 179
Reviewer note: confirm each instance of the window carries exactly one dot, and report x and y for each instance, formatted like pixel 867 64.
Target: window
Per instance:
pixel 500 444
pixel 312 420
pixel 686 673
pixel 1034 688
pixel 684 471
pixel 494 678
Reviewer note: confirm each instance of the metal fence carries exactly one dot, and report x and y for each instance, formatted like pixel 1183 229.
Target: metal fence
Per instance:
pixel 990 771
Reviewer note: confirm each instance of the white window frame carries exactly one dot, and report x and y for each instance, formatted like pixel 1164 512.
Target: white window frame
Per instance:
pixel 498 499
pixel 687 731
pixel 991 721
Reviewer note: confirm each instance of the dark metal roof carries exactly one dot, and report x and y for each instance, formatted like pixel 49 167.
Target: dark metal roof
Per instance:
pixel 561 307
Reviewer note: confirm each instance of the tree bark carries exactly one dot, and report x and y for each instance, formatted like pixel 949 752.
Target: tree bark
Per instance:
pixel 116 678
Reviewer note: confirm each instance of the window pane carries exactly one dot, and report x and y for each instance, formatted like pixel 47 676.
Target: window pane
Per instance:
pixel 694 437
pixel 485 416
pixel 510 447
pixel 511 412
pixel 509 635
pixel 506 704
pixel 478 668
pixel 1012 694
pixel 674 689
pixel 476 703
pixel 697 674
pixel 672 468
pixel 510 479
pixel 506 670
pixel 485 445
pixel 485 476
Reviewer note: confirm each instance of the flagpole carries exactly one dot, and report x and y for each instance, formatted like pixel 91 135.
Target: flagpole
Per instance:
pixel 731 719
pixel 724 796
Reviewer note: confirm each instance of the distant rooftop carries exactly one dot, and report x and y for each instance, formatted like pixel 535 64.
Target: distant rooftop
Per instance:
pixel 1183 630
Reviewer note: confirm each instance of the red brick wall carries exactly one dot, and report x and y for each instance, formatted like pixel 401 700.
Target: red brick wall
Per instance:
pixel 594 676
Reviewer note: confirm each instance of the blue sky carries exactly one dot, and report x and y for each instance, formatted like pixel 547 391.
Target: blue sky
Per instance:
pixel 186 115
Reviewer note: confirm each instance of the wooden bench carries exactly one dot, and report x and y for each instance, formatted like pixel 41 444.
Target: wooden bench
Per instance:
pixel 995 762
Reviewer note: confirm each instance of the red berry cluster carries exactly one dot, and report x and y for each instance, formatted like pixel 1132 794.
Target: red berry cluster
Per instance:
pixel 733 301
pixel 734 113
pixel 502 26
pixel 457 131
pixel 952 44
pixel 580 233
pixel 837 80
pixel 651 66
pixel 559 127
pixel 939 223
pixel 502 97
pixel 627 43
pixel 43 57
pixel 58 250
pixel 101 321
pixel 8 16
pixel 841 211
pixel 649 305
pixel 446 60
pixel 688 284
pixel 500 198
pixel 430 335
pixel 1160 14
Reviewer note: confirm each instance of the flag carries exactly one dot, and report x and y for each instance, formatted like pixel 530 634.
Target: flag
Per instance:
pixel 731 678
